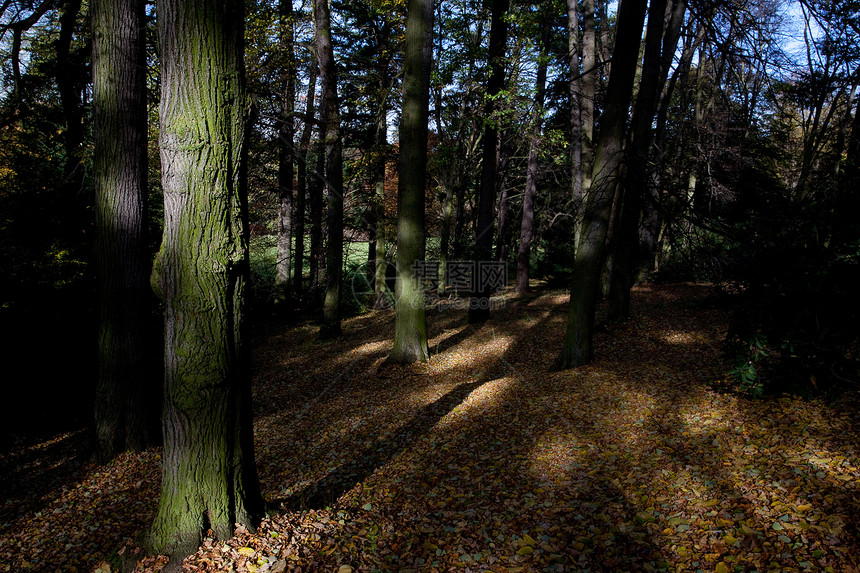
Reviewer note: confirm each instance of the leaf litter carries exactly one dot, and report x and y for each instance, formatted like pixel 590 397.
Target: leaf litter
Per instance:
pixel 482 460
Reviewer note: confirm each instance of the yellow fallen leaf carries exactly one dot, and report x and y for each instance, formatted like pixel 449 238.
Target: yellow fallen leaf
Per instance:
pixel 246 551
pixel 525 550
pixel 722 567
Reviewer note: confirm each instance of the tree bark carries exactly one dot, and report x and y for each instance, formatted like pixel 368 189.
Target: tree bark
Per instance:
pixel 479 305
pixel 209 479
pixel 120 173
pixel 590 250
pixel 410 331
pixel 330 116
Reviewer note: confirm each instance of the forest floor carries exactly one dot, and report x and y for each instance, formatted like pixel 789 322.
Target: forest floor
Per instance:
pixel 483 460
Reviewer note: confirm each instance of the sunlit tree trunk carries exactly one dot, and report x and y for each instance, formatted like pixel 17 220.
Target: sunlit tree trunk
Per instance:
pixel 410 332
pixel 590 251
pixel 120 173
pixel 209 478
pixel 330 117
pixel 286 131
pixel 479 305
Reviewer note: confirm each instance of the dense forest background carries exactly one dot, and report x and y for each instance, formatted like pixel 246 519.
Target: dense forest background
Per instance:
pixel 748 173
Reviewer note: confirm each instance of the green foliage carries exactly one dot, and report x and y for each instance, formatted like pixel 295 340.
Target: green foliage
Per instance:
pixel 745 373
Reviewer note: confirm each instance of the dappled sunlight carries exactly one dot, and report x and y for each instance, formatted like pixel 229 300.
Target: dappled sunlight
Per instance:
pixel 484 398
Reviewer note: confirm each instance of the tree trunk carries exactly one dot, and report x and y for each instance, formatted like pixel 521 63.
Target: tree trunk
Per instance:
pixel 70 75
pixel 410 331
pixel 626 246
pixel 286 131
pixel 302 180
pixel 209 479
pixel 587 92
pixel 527 224
pixel 502 215
pixel 315 192
pixel 120 170
pixel 479 305
pixel 573 47
pixel 589 257
pixel 378 205
pixel 330 116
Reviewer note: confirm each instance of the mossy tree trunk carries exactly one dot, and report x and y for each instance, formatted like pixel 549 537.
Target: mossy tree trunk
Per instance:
pixel 410 333
pixel 330 116
pixel 209 479
pixel 590 249
pixel 120 174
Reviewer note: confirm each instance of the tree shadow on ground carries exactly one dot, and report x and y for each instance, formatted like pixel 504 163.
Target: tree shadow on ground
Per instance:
pixel 342 479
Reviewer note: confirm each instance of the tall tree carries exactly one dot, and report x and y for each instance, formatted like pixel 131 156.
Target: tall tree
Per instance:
pixel 590 248
pixel 330 116
pixel 527 223
pixel 120 172
pixel 661 40
pixel 286 132
pixel 410 335
pixel 573 48
pixel 302 183
pixel 479 306
pixel 70 74
pixel 209 478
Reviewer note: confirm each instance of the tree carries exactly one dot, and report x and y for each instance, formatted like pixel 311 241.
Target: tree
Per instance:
pixel 330 117
pixel 302 191
pixel 660 47
pixel 286 132
pixel 120 169
pixel 410 336
pixel 527 223
pixel 590 247
pixel 479 306
pixel 209 479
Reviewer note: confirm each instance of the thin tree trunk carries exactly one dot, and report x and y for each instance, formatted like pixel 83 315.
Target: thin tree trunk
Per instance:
pixel 286 132
pixel 302 180
pixel 315 192
pixel 379 233
pixel 589 84
pixel 590 252
pixel 69 76
pixel 330 115
pixel 209 478
pixel 479 306
pixel 120 170
pixel 573 47
pixel 410 331
pixel 527 224
pixel 502 215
